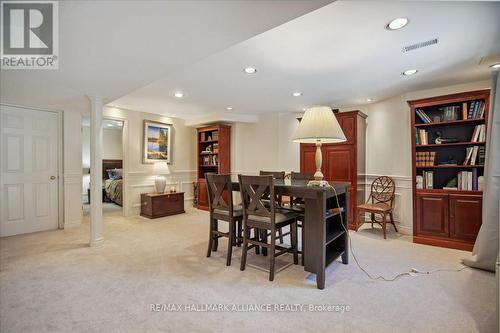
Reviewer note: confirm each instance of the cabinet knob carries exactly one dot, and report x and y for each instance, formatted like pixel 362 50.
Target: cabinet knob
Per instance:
pixel 145 203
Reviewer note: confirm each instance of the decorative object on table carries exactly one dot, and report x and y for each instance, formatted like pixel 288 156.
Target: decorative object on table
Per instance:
pixel 157 142
pixel 319 125
pixel 160 169
pixel 440 139
pixel 172 189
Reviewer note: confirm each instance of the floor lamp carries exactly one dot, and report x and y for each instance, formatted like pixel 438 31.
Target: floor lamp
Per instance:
pixel 319 125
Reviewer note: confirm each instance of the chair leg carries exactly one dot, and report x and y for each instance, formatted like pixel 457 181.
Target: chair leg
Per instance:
pixel 256 237
pixel 216 239
pixel 302 241
pixel 230 243
pixel 263 238
pixel 392 221
pixel 240 233
pixel 293 237
pixel 246 236
pixel 272 255
pixel 280 233
pixel 372 218
pixel 384 226
pixel 210 238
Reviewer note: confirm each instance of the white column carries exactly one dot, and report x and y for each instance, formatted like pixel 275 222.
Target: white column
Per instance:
pixel 96 238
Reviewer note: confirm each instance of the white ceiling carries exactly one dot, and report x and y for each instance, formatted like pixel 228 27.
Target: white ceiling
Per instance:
pixel 338 55
pixel 110 48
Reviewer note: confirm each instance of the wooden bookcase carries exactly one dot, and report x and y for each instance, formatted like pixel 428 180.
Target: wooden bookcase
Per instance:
pixel 213 155
pixel 446 217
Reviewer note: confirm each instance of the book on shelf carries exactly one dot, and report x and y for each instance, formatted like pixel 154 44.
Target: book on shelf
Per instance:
pixel 450 113
pixel 423 137
pixel 476 110
pixel 425 158
pixel 420 182
pixel 472 156
pixel 479 133
pixel 450 188
pixel 210 160
pixel 468 180
pixel 464 110
pixel 481 155
pixel 423 116
pixel 417 141
pixel 428 180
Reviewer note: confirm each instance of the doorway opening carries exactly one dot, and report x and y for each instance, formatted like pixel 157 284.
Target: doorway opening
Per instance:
pixel 112 167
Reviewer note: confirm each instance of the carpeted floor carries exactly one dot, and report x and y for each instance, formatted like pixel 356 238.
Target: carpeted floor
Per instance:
pixel 53 282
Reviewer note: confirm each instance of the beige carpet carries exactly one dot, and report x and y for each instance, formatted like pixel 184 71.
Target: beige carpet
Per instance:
pixel 53 282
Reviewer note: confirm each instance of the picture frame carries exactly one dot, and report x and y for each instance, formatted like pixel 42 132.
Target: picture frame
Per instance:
pixel 157 142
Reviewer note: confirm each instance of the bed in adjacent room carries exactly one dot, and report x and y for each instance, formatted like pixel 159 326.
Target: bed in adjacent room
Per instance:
pixel 113 180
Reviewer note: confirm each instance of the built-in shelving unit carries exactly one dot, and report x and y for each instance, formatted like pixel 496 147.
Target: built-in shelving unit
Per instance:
pixel 213 154
pixel 448 153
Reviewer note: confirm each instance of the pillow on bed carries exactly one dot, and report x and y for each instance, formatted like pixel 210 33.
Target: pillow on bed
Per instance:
pixel 111 173
pixel 118 173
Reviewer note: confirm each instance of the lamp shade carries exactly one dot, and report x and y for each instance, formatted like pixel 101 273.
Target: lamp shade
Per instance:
pixel 161 168
pixel 319 124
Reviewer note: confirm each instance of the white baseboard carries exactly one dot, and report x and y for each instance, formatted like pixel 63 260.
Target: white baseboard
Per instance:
pixel 72 224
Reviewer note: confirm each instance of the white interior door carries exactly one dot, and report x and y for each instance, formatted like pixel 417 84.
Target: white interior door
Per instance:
pixel 29 162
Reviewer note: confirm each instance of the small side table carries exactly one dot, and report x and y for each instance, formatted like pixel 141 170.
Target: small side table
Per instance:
pixel 154 205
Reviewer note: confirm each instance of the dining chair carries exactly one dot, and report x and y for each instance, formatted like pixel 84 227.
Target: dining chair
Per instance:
pixel 279 175
pixel 221 207
pixel 258 216
pixel 380 201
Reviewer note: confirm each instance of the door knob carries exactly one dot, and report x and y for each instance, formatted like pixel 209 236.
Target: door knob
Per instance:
pixel 52 177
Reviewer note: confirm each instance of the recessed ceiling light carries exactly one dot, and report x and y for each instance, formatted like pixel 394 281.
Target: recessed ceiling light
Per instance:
pixel 178 94
pixel 495 66
pixel 397 23
pixel 229 108
pixel 409 72
pixel 369 99
pixel 109 125
pixel 250 70
pixel 297 94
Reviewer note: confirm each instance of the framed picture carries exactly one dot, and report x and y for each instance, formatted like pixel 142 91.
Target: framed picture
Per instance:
pixel 157 146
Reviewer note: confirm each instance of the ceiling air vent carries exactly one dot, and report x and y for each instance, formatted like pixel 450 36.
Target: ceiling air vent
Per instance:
pixel 420 45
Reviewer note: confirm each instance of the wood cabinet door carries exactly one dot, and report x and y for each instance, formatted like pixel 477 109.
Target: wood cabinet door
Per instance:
pixel 202 194
pixel 465 216
pixel 339 163
pixel 348 125
pixel 432 215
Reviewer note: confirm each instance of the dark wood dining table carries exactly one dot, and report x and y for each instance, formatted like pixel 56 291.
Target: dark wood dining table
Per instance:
pixel 323 243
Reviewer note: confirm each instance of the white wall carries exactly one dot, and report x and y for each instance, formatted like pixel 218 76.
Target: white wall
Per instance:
pixel 139 177
pixel 72 169
pixel 265 145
